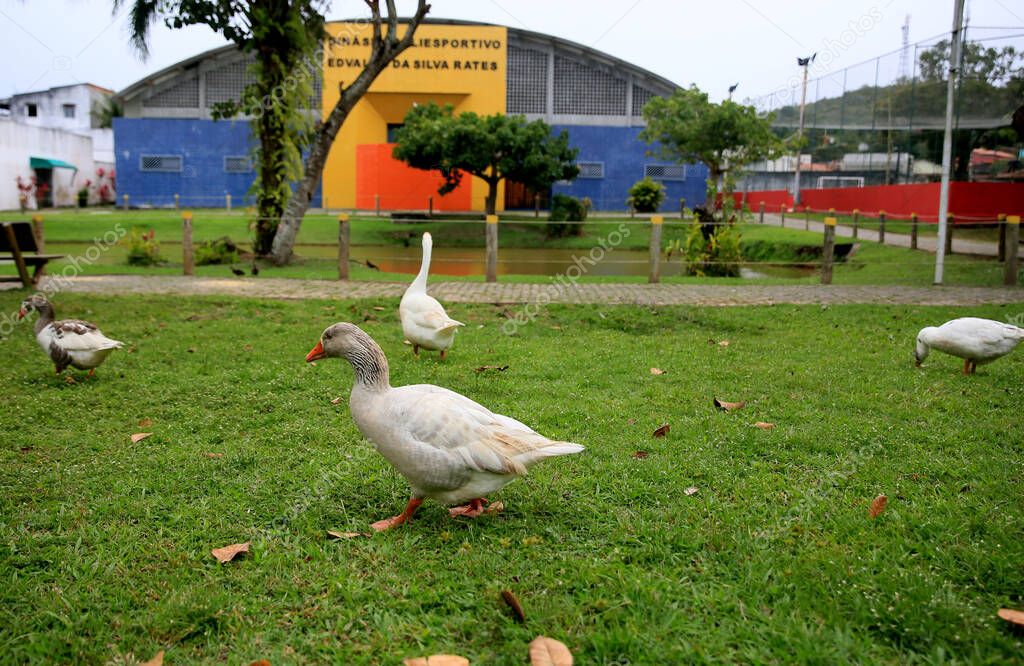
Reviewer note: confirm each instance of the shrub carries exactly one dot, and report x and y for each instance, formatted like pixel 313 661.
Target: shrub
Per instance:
pixel 143 250
pixel 220 251
pixel 566 209
pixel 83 197
pixel 717 255
pixel 646 195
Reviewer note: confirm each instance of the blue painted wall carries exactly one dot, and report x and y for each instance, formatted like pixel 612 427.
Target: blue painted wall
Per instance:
pixel 203 145
pixel 624 156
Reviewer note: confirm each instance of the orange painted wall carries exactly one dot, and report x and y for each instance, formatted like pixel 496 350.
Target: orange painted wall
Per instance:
pixel 399 185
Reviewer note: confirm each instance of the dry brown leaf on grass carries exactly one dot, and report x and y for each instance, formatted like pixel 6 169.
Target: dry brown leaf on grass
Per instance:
pixel 145 423
pixel 210 454
pixel 157 660
pixel 1014 617
pixel 337 400
pixel 657 371
pixel 546 651
pixel 513 603
pixel 228 553
pixel 345 535
pixel 379 308
pixel 723 343
pixel 640 455
pixel 260 662
pixel 495 507
pixel 139 436
pixel 877 506
pixel 692 490
pixel 729 406
pixel 437 660
pixel 764 426
pixel 661 431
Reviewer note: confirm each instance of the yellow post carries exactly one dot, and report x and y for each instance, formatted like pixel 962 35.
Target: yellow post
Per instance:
pixel 655 248
pixel 856 221
pixel 913 231
pixel 1012 246
pixel 881 227
pixel 828 251
pixel 343 245
pixel 492 248
pixel 1001 221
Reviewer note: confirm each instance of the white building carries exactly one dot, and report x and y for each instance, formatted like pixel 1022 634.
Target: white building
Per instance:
pixel 72 108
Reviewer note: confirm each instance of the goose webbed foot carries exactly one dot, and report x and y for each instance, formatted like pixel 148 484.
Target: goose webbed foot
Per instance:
pixel 471 510
pixel 395 521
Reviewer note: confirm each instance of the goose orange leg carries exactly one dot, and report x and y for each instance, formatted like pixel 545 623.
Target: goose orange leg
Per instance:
pixel 967 366
pixel 92 373
pixel 471 510
pixel 415 350
pixel 395 521
pixel 974 367
pixel 444 353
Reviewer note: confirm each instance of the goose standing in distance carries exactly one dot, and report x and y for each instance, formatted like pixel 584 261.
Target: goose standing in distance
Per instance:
pixel 424 321
pixel 68 342
pixel 973 339
pixel 448 447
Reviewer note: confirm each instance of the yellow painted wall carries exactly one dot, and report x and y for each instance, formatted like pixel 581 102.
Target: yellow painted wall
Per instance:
pixel 464 66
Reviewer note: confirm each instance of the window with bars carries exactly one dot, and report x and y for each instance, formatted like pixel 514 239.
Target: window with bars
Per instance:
pixel 526 80
pixel 590 169
pixel 586 90
pixel 237 164
pixel 640 97
pixel 161 163
pixel 184 94
pixel 665 171
pixel 226 83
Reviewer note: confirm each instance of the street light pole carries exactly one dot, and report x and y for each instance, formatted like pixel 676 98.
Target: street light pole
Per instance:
pixel 805 63
pixel 947 138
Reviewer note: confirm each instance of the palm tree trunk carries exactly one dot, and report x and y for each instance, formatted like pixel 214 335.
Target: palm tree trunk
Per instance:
pixel 384 49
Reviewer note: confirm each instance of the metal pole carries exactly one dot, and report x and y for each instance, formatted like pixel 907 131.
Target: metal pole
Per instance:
pixel 947 138
pixel 800 134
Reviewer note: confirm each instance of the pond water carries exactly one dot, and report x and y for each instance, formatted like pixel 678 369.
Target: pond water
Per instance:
pixel 526 261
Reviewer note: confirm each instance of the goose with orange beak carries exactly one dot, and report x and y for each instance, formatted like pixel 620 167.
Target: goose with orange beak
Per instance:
pixel 449 448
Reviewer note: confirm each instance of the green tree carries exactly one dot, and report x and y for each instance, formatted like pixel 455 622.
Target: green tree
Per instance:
pixel 491 148
pixel 285 38
pixel 690 128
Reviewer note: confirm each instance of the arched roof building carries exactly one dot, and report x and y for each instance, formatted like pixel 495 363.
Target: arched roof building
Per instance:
pixel 168 143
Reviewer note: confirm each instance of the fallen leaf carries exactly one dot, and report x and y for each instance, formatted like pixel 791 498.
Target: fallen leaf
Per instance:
pixel 1012 616
pixel 25 449
pixel 379 308
pixel 157 660
pixel 213 455
pixel 191 350
pixel 346 535
pixel 261 662
pixel 640 455
pixel 513 603
pixel 692 490
pixel 729 406
pixel 630 421
pixel 247 347
pixel 657 371
pixel 764 426
pixel 228 553
pixel 877 506
pixel 437 660
pixel 337 400
pixel 546 651
pixel 139 436
pixel 723 343
pixel 499 368
pixel 145 423
pixel 495 507
pixel 661 431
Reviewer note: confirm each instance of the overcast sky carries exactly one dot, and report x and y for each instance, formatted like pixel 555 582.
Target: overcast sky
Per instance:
pixel 710 44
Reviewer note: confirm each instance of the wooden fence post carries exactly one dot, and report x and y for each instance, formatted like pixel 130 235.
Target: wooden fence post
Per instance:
pixel 492 248
pixel 949 234
pixel 760 217
pixel 1001 221
pixel 856 221
pixel 807 218
pixel 1010 273
pixel 125 199
pixel 828 250
pixel 682 208
pixel 376 204
pixel 343 246
pixel 881 227
pixel 227 201
pixel 655 249
pixel 782 214
pixel 177 202
pixel 187 256
pixel 430 206
pixel 913 231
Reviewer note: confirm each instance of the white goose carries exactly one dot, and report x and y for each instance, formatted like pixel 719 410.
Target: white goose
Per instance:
pixel 448 447
pixel 68 342
pixel 973 339
pixel 424 321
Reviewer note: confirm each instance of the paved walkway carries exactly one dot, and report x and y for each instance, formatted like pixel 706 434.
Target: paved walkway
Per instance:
pixel 927 243
pixel 509 293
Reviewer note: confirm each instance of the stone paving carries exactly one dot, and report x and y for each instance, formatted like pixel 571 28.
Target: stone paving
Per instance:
pixel 513 293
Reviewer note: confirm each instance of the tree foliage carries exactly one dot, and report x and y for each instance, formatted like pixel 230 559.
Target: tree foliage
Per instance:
pixel 491 148
pixel 688 127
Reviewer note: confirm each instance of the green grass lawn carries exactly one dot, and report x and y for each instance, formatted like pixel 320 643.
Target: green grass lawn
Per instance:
pixel 105 545
pixel 71 233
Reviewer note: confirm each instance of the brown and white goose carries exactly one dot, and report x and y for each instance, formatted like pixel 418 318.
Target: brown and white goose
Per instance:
pixel 448 447
pixel 68 342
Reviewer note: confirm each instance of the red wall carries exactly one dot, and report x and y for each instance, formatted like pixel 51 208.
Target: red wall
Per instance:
pixel 400 186
pixel 969 202
pixel 773 199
